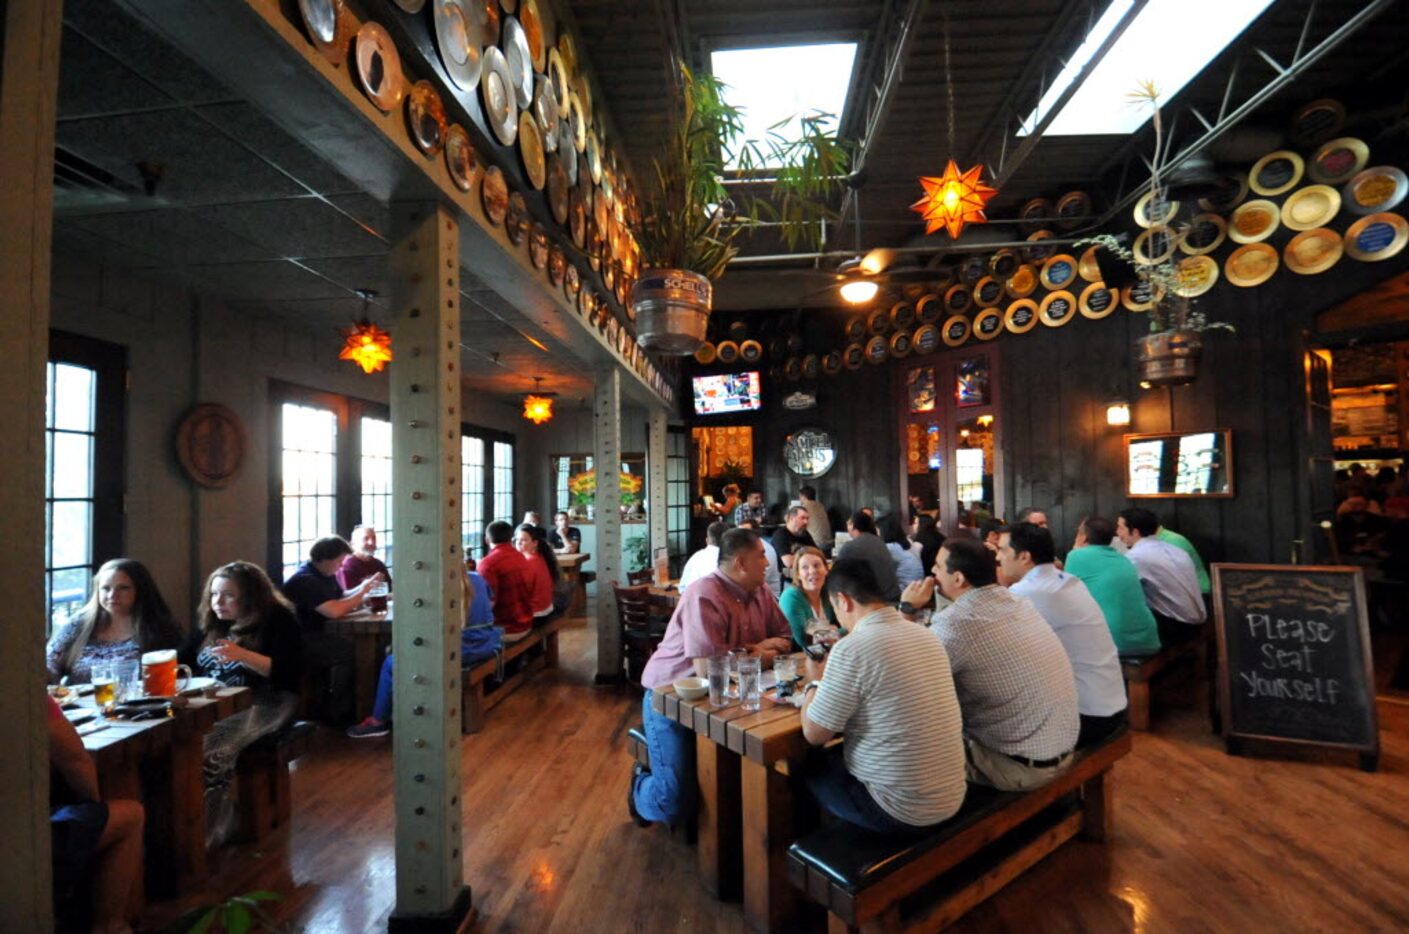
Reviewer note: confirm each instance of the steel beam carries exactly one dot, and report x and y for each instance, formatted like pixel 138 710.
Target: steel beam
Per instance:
pixel 656 454
pixel 607 464
pixel 429 569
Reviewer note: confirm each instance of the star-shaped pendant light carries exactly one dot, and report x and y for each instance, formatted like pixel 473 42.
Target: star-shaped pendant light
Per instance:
pixel 953 200
pixel 364 343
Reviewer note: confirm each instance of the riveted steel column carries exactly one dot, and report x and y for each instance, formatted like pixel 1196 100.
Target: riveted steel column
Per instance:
pixel 29 80
pixel 607 463
pixel 656 491
pixel 425 413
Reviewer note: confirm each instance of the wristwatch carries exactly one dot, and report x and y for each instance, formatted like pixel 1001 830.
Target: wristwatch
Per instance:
pixel 905 608
pixel 810 686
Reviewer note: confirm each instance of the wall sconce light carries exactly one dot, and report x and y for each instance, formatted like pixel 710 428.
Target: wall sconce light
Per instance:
pixel 1118 413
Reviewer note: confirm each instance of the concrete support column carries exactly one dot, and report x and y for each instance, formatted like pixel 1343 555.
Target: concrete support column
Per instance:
pixel 656 458
pixel 29 80
pixel 606 459
pixel 429 569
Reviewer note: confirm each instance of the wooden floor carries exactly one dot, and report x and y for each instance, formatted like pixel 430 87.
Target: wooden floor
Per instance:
pixel 1203 841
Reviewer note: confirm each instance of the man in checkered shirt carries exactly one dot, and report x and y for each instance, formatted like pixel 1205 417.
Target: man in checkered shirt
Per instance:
pixel 1016 687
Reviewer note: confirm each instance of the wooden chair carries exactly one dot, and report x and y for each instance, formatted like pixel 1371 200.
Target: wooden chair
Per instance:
pixel 633 610
pixel 637 578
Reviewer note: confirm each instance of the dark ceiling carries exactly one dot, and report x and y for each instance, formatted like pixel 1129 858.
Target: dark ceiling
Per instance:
pixel 244 211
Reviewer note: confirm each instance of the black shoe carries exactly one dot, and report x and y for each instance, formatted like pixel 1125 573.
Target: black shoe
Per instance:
pixel 636 817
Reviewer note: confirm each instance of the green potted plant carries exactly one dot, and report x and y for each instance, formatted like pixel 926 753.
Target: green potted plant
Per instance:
pixel 1169 355
pixel 689 221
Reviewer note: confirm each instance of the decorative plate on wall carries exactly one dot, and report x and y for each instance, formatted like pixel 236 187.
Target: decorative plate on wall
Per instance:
pixel 955 331
pixel 877 350
pixel 1376 237
pixel 1252 264
pixel 460 157
pixel 988 324
pixel 809 452
pixel 1057 309
pixel 210 445
pixel 1206 233
pixel 1096 301
pixel 1021 316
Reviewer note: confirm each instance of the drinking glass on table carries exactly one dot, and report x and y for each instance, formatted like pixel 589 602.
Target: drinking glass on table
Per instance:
pixel 377 597
pixel 734 656
pixel 129 680
pixel 785 670
pixel 821 632
pixel 751 682
pixel 105 687
pixel 717 672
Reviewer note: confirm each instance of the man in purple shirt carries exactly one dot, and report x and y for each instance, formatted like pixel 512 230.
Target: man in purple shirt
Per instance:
pixel 723 610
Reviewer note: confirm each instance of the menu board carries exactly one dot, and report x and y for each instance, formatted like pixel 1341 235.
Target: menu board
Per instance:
pixel 1294 656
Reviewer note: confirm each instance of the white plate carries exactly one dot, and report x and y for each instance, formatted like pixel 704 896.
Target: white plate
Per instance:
pixel 197 685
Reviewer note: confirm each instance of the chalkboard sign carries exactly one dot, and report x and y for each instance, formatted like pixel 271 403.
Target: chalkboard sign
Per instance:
pixel 1294 656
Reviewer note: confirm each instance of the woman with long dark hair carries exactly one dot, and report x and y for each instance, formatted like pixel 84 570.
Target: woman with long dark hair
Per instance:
pixel 928 539
pixel 907 564
pixel 543 572
pixel 246 635
pixel 124 617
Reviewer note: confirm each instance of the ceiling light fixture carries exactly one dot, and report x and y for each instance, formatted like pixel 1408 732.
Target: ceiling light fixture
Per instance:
pixel 538 405
pixel 858 291
pixel 364 343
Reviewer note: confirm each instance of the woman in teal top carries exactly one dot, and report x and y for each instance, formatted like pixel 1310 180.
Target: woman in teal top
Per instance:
pixel 803 601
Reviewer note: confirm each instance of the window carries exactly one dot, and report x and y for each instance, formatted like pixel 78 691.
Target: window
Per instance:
pixel 83 468
pixel 331 472
pixel 472 490
pixel 774 85
pixel 504 482
pixel 309 450
pixel 677 491
pixel 376 482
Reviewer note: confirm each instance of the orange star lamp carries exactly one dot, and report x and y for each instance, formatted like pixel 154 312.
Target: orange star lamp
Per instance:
pixel 953 200
pixel 366 345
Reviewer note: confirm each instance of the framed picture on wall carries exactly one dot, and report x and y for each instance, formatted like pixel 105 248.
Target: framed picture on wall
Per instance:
pixel 971 381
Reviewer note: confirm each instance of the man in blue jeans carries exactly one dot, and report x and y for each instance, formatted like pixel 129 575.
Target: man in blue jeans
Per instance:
pixel 479 614
pixel 723 610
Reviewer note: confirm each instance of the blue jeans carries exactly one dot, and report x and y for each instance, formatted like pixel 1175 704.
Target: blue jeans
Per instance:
pixel 842 795
pixel 667 791
pixel 381 707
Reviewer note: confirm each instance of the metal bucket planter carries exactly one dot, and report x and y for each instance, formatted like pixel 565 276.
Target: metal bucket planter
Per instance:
pixel 1169 358
pixel 672 310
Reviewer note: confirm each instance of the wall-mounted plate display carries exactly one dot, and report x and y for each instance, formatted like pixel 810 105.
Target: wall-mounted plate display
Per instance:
pixel 988 324
pixel 557 263
pixel 1312 252
pixel 532 22
pixel 811 366
pixel 324 21
pixel 1155 245
pixel 1087 267
pixel 1057 308
pixel 955 331
pixel 751 351
pixel 1148 212
pixel 1376 189
pixel 379 67
pixel 497 93
pixel 854 356
pixel 958 299
pixel 538 247
pixel 902 315
pixel 988 292
pixel 1276 173
pixel 531 149
pixel 900 344
pixel 494 195
pixel 460 157
pixel 831 362
pixel 1141 296
pixel 877 349
pixel 855 329
pixel 1228 193
pixel 425 118
pixel 1338 160
pixel 460 39
pixel 1037 253
pixel 1312 206
pixel 727 352
pixel 1376 237
pixel 929 309
pixel 1251 264
pixel 878 321
pixel 1206 233
pixel 516 222
pixel 520 65
pixel 1194 275
pixel 1021 316
pixel 572 282
pixel 1254 221
pixel 1072 208
pixel 1022 283
pixel 1096 301
pixel 1059 271
pixel 1317 121
pixel 926 339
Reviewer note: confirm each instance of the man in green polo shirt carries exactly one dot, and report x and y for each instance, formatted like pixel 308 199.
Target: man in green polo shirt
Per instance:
pixel 1186 546
pixel 1115 584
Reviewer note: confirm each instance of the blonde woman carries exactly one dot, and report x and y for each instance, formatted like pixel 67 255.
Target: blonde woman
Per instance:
pixel 803 601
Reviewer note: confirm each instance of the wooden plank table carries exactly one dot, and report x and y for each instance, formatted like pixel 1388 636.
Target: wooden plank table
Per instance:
pixel 158 762
pixel 745 808
pixel 571 566
pixel 370 634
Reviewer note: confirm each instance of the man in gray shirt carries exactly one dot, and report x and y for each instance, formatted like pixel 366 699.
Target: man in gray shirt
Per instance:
pixel 1015 684
pixel 1167 575
pixel 866 544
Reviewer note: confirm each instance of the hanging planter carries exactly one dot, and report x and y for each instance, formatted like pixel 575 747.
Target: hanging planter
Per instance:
pixel 1169 358
pixel 672 310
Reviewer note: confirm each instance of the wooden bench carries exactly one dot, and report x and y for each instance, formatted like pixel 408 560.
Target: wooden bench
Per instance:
pixel 479 692
pixel 875 882
pixel 1140 670
pixel 262 776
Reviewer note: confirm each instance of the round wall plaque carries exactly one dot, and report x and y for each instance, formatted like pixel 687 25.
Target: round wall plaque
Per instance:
pixel 809 452
pixel 210 445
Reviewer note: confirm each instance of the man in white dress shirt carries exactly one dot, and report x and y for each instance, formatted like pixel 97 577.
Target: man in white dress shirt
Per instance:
pixel 1167 575
pixel 706 559
pixel 1026 560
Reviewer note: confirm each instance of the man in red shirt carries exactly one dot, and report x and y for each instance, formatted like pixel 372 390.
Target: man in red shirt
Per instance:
pixel 507 574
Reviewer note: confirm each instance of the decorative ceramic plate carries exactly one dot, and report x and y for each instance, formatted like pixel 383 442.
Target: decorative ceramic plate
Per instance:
pixel 486 14
pixel 545 111
pixel 988 292
pixel 1312 206
pixel 594 157
pixel 583 90
pixel 459 36
pixel 1097 301
pixel 958 299
pixel 577 122
pixel 324 21
pixel 854 329
pixel 1375 190
pixel 1313 251
pixel 877 349
pixel 558 191
pixel 1254 221
pixel 1003 264
pixel 538 247
pixel 728 352
pixel 704 354
pixel 1141 296
pixel 929 309
pixel 1022 283
pixel 1276 173
pixel 988 324
pixel 494 195
pixel 1038 253
pixel 878 321
pixel 900 344
pixel 1057 308
pixel 1317 121
pixel 902 315
pixel 520 65
pixel 558 78
pixel 460 157
pixel 577 218
pixel 516 223
pixel 1073 207
pixel 831 363
pixel 926 339
pixel 379 67
pixel 1087 266
pixel 557 264
pixel 425 118
pixel 1252 264
pixel 572 281
pixel 496 88
pixel 1034 214
pixel 751 351
pixel 955 331
pixel 1338 160
pixel 1194 276
pixel 1155 245
pixel 1206 233
pixel 1149 213
pixel 1376 237
pixel 1021 316
pixel 567 49
pixel 532 24
pixel 531 149
pixel 1059 271
pixel 854 356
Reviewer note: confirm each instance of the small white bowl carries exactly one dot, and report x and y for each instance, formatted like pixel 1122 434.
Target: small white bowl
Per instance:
pixel 691 688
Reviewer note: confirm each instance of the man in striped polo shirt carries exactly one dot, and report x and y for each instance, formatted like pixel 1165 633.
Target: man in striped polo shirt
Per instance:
pixel 886 686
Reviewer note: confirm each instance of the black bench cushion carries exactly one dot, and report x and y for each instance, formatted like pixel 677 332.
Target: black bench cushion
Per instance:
pixel 855 859
pixel 298 731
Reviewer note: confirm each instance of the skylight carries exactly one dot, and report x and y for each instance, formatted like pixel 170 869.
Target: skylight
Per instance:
pixel 1169 42
pixel 772 85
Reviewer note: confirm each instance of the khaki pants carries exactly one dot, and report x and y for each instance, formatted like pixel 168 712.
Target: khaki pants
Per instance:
pixel 988 767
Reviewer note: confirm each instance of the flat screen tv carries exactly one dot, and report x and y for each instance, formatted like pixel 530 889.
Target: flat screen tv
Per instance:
pixel 724 393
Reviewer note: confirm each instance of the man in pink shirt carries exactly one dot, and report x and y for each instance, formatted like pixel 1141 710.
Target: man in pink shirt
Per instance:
pixel 507 575
pixel 723 610
pixel 363 562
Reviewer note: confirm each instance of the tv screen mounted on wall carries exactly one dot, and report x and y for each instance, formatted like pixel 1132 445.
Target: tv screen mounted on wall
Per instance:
pixel 724 393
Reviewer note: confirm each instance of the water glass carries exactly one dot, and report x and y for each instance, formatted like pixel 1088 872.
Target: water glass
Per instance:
pixel 717 672
pixel 129 679
pixel 785 669
pixel 735 655
pixel 751 682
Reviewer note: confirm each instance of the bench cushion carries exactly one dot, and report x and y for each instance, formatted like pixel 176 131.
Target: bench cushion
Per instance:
pixel 300 732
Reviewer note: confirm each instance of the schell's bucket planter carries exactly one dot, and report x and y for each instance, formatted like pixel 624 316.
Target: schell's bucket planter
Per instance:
pixel 672 310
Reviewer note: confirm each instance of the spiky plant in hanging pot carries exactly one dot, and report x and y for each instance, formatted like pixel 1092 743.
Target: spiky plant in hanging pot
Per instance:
pixel 690 223
pixel 1169 355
